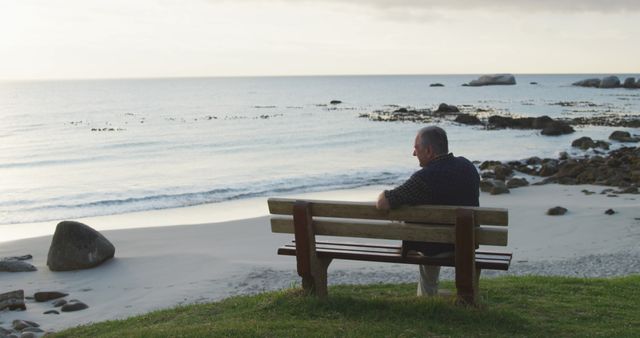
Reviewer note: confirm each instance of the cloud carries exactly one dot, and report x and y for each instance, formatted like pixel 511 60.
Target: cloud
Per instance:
pixel 509 5
pixel 525 6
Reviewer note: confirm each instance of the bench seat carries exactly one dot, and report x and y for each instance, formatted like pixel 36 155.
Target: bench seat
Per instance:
pixel 392 254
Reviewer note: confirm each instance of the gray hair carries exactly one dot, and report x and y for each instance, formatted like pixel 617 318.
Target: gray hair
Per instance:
pixel 436 137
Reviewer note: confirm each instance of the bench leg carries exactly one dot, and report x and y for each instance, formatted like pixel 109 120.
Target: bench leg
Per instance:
pixel 466 273
pixel 316 283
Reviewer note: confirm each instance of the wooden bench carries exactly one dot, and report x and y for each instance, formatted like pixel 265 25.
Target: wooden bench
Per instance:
pixel 443 224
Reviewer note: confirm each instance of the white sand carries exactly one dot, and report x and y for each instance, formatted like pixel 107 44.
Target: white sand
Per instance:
pixel 163 266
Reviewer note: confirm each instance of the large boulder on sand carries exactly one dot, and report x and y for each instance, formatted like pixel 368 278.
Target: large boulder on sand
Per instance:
pixel 492 80
pixel 77 246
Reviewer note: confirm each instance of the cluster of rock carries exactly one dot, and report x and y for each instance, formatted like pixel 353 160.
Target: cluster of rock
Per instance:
pixel 609 82
pixel 611 120
pixel 107 129
pixel 492 80
pixel 545 124
pixel 498 178
pixel 74 246
pixel 619 168
pixel 58 301
pixel 23 329
pixel 401 114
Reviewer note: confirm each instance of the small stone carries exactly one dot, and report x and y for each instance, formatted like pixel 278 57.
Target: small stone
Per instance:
pixel 556 211
pixel 517 182
pixel 629 190
pixel 51 312
pixel 584 142
pixel 4 331
pixel 16 266
pixel 533 160
pixel 48 295
pixel 75 306
pixel 28 335
pixel 19 324
pixel 622 136
pixel 32 324
pixel 499 190
pixel 32 329
pixel 502 171
pixel 447 108
pixel 59 303
pixel 18 258
pixel 13 300
pixel 467 119
pixel 610 212
pixel 335 102
pixel 556 128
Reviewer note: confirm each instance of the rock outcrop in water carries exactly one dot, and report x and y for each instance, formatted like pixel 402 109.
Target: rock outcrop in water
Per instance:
pixel 493 80
pixel 623 136
pixel 608 82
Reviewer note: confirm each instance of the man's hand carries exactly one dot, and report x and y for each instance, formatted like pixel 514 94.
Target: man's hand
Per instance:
pixel 383 203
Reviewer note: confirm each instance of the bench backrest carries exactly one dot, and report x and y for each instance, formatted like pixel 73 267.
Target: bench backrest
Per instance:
pixel 427 223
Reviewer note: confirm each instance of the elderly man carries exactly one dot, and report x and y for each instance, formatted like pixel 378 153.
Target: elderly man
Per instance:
pixel 443 180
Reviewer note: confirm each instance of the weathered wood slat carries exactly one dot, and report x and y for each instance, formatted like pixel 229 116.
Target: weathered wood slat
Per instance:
pixel 367 210
pixel 391 230
pixel 367 247
pixel 351 248
pixel 497 262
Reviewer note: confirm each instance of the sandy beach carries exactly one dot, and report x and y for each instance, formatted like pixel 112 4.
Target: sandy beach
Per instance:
pixel 158 265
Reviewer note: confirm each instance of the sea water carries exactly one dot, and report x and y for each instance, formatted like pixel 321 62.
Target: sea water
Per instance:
pixel 71 149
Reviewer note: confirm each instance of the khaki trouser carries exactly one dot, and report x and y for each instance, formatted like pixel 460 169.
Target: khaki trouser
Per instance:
pixel 429 277
pixel 428 282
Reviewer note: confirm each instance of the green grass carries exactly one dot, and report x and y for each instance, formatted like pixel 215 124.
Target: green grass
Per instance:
pixel 510 307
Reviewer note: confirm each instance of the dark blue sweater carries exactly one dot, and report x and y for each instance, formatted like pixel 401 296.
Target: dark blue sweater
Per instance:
pixel 447 180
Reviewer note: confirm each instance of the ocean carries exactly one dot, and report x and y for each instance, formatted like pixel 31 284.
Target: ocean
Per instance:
pixel 71 149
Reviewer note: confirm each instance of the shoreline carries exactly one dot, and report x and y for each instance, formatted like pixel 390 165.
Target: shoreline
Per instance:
pixel 181 216
pixel 164 266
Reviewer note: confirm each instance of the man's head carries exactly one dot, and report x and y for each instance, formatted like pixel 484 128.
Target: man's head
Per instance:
pixel 430 143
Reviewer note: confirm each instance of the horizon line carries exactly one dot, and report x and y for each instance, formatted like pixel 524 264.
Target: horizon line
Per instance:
pixel 284 76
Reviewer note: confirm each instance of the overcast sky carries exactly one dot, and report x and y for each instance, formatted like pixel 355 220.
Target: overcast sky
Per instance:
pixel 44 39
